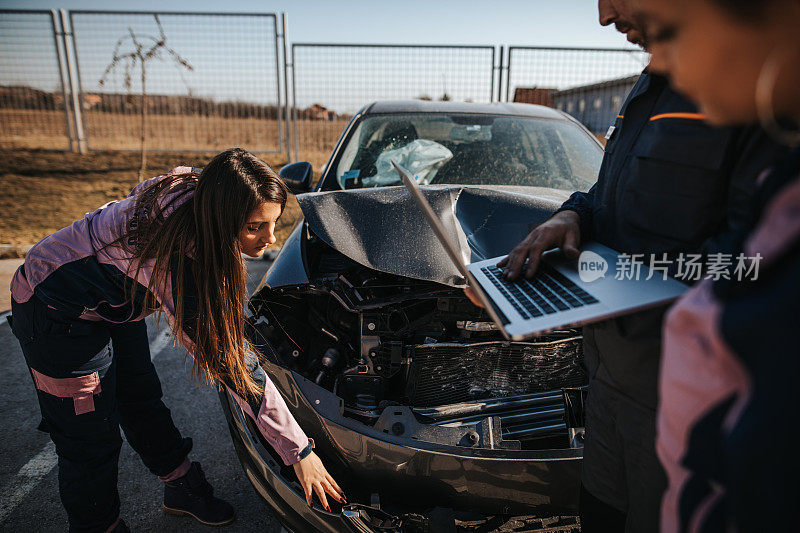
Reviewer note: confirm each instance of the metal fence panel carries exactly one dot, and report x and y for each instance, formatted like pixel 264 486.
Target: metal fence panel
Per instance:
pixel 211 80
pixel 333 81
pixel 589 84
pixel 33 104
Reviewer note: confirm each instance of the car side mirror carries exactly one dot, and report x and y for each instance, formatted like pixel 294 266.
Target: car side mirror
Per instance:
pixel 297 176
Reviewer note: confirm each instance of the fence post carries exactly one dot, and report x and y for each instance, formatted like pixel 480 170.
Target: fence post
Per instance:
pixel 286 66
pixel 508 71
pixel 72 74
pixel 500 75
pixel 294 108
pixel 57 35
pixel 491 73
pixel 279 106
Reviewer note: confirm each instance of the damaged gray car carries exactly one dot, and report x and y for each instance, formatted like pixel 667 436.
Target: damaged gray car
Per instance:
pixel 424 414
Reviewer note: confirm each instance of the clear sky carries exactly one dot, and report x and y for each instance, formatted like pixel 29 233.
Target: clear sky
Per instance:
pixel 491 22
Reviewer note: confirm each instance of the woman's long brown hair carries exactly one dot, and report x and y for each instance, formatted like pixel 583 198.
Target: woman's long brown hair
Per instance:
pixel 206 229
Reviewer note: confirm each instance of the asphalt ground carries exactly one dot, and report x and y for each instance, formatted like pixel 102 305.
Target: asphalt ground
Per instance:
pixel 28 473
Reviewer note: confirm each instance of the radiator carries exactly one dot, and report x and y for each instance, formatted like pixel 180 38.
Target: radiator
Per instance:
pixel 446 373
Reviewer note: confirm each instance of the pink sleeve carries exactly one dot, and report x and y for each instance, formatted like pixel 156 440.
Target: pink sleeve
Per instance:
pixel 274 420
pixel 277 424
pixel 698 372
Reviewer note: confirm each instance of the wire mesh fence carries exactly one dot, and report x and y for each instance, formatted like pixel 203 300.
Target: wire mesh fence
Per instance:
pixel 333 81
pixel 209 81
pixel 189 81
pixel 589 84
pixel 33 103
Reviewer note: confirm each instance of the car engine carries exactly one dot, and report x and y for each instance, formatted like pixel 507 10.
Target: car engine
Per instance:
pixel 416 358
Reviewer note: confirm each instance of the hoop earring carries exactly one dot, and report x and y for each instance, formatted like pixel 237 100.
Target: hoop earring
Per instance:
pixel 765 89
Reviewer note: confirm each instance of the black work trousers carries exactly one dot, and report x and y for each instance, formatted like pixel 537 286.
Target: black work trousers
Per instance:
pixel 620 466
pixel 91 378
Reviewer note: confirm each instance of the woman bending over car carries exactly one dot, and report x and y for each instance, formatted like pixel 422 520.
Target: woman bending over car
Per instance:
pixel 173 246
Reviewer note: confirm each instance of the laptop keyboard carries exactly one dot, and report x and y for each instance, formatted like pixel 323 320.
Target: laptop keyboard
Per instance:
pixel 548 292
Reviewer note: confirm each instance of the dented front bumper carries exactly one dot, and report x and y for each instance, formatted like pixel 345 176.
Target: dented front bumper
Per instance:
pixel 394 480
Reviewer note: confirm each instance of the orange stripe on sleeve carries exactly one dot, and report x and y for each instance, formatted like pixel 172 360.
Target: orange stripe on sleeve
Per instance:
pixel 620 116
pixel 690 116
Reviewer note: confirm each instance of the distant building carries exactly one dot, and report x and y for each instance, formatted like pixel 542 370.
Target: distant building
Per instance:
pixel 318 112
pixel 534 95
pixel 596 105
pixel 91 100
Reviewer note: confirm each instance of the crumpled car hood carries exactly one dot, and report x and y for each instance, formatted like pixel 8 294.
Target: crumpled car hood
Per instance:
pixel 384 229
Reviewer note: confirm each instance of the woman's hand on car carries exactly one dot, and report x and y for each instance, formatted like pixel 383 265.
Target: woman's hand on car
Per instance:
pixel 314 478
pixel 562 230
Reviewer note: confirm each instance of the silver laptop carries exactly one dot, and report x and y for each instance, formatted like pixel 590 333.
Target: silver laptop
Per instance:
pixel 556 297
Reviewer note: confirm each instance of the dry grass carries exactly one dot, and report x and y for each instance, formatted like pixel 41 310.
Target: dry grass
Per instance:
pixel 115 131
pixel 32 129
pixel 118 131
pixel 316 140
pixel 41 192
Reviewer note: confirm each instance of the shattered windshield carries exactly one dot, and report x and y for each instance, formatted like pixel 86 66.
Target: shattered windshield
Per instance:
pixel 465 149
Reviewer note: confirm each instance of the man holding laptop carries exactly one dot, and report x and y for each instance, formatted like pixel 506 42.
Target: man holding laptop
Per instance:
pixel 668 184
pixel 558 296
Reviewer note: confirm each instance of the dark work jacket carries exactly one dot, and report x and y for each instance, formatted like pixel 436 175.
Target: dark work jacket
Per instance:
pixel 669 183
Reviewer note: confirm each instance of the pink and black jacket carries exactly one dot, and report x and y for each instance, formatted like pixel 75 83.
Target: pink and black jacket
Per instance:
pixel 74 272
pixel 730 382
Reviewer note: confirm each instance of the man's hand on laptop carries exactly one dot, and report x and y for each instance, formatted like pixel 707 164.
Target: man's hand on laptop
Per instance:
pixel 562 230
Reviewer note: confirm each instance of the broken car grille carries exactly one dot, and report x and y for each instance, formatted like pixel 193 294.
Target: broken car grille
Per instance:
pixel 448 373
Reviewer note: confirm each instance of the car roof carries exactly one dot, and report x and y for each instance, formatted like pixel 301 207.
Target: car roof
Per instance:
pixel 496 108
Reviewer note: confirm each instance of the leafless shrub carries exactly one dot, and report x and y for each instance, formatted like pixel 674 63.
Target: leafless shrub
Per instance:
pixel 144 48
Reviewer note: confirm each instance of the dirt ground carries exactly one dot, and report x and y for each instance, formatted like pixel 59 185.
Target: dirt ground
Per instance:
pixel 41 192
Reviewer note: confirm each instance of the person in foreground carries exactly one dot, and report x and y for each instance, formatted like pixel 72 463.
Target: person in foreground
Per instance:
pixel 173 246
pixel 668 184
pixel 727 421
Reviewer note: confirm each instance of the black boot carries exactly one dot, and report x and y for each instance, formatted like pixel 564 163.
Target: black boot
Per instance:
pixel 192 495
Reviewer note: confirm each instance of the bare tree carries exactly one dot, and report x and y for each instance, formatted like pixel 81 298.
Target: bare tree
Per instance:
pixel 145 48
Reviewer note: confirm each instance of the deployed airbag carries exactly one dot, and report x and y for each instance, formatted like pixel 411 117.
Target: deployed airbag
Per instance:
pixel 422 157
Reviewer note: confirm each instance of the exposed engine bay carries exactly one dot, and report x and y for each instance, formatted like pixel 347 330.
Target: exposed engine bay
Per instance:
pixel 416 359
